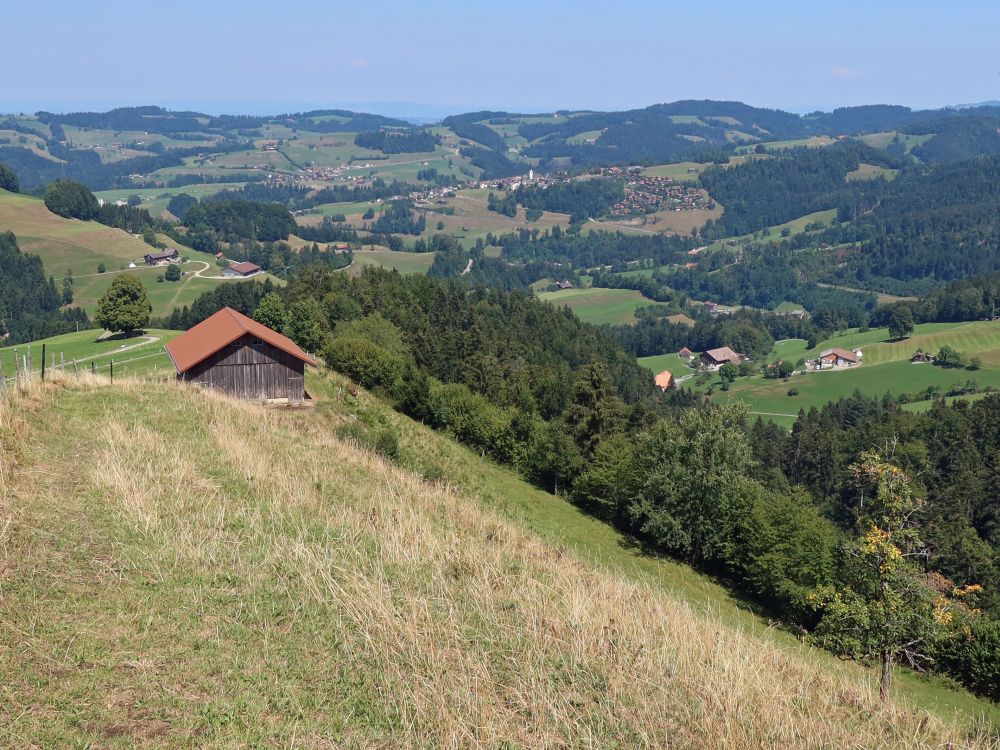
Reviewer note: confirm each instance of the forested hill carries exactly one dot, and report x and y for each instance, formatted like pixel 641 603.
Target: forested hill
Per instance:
pixel 491 144
pixel 154 119
pixel 669 132
pixel 940 223
pixel 765 192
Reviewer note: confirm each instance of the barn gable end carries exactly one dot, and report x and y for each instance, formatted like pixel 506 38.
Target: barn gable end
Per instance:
pixel 237 355
pixel 251 368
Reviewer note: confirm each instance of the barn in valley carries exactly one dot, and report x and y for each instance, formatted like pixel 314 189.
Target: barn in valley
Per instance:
pixel 237 355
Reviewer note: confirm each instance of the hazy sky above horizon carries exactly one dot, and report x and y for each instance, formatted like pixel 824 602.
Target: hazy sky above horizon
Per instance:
pixel 255 56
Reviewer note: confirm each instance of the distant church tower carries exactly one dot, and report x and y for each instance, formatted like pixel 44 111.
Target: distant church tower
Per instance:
pixel 531 175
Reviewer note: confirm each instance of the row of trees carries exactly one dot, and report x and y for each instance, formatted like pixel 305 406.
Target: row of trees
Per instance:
pixel 397 141
pixel 237 221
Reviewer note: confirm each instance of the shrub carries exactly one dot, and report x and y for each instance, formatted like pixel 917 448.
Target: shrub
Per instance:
pixel 365 362
pixel 972 656
pixel 793 391
pixel 378 439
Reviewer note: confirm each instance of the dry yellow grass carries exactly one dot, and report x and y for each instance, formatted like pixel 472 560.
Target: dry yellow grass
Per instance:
pixel 197 571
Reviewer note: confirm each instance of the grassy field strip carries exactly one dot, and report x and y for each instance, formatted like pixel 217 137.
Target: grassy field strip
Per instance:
pixel 403 262
pixel 596 305
pixel 87 349
pixel 794 226
pixel 886 368
pixel 142 365
pixel 981 338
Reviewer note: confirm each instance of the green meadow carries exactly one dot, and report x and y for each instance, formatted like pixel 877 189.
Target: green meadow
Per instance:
pixel 164 296
pixel 133 355
pixel 679 172
pixel 599 306
pixel 405 263
pixel 886 368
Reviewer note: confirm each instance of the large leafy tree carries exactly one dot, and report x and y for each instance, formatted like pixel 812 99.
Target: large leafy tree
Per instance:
pixel 884 608
pixel 70 199
pixel 900 321
pixel 125 306
pixel 698 483
pixel 271 312
pixel 306 324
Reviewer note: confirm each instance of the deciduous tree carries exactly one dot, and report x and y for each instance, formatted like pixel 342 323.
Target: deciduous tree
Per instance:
pixel 125 306
pixel 883 608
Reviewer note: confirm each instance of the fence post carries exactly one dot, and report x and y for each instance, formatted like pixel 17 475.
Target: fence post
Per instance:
pixel 112 371
pixel 93 368
pixel 43 363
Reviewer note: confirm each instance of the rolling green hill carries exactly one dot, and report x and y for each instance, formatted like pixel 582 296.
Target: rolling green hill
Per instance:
pixel 78 247
pixel 66 244
pixel 304 589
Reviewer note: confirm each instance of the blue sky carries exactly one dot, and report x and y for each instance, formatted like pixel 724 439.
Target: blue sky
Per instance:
pixel 280 55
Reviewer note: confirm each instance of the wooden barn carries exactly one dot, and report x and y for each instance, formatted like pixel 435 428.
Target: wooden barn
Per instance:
pixel 237 355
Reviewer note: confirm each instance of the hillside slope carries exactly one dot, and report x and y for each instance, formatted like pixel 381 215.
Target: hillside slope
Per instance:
pixel 181 569
pixel 71 246
pixel 66 244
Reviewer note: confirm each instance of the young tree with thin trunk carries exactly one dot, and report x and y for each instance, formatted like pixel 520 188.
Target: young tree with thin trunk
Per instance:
pixel 884 609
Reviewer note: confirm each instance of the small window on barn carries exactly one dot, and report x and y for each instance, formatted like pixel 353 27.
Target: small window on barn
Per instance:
pixel 257 343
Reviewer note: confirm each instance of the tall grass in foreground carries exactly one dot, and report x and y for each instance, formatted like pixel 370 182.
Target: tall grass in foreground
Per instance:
pixel 311 594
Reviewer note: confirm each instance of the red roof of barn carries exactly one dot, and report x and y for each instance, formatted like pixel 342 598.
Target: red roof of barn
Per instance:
pixel 220 330
pixel 244 267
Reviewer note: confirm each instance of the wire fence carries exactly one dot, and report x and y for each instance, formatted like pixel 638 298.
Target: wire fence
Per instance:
pixel 24 367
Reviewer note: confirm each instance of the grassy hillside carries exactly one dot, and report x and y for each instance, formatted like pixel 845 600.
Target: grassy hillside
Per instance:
pixel 66 244
pixel 597 306
pixel 133 355
pixel 302 591
pixel 385 258
pixel 78 247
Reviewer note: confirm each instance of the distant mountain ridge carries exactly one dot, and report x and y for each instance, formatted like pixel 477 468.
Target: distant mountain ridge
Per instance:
pixel 485 144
